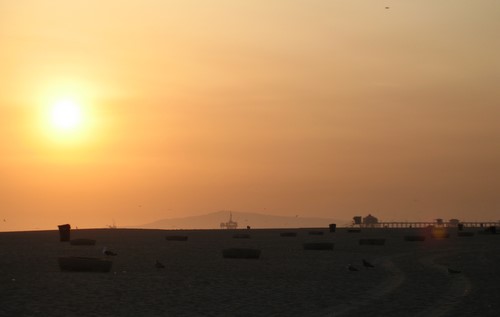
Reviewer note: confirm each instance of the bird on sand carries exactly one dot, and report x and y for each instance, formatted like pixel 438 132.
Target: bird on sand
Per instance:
pixel 159 265
pixel 108 252
pixel 367 264
pixel 452 271
pixel 352 268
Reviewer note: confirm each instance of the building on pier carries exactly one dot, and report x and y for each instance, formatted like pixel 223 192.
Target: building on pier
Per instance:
pixel 453 222
pixel 368 221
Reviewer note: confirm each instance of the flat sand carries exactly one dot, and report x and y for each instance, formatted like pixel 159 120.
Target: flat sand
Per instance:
pixel 410 278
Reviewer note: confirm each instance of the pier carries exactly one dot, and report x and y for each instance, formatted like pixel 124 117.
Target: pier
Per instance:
pixel 425 224
pixel 373 222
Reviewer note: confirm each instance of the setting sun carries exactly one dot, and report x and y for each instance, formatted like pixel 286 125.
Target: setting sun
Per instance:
pixel 66 119
pixel 66 115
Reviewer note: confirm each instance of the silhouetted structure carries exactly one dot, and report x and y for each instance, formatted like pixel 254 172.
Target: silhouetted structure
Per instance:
pixel 112 226
pixel 370 221
pixel 357 220
pixel 64 232
pixel 230 224
pixel 453 223
pixel 332 227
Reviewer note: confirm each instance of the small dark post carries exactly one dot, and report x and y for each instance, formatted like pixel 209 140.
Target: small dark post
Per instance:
pixel 460 227
pixel 64 232
pixel 333 227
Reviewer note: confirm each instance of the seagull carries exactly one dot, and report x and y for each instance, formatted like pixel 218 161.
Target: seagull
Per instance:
pixel 159 265
pixel 352 268
pixel 367 264
pixel 452 271
pixel 108 252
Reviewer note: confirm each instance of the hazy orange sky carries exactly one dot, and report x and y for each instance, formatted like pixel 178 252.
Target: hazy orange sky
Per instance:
pixel 316 108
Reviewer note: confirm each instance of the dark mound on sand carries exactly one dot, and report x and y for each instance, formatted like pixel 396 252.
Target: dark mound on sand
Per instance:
pixel 318 246
pixel 239 253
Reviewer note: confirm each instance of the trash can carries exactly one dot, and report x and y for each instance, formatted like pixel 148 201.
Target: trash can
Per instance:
pixel 460 226
pixel 333 227
pixel 64 232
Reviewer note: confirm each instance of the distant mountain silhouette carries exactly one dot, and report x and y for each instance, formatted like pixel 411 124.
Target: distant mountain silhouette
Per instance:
pixel 244 219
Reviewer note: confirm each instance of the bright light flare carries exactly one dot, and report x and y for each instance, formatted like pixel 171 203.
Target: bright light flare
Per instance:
pixel 66 115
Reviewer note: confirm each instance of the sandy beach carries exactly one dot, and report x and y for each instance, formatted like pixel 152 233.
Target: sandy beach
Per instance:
pixel 410 278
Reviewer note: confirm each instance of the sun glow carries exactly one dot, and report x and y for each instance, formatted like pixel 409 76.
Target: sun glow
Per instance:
pixel 66 120
pixel 66 115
